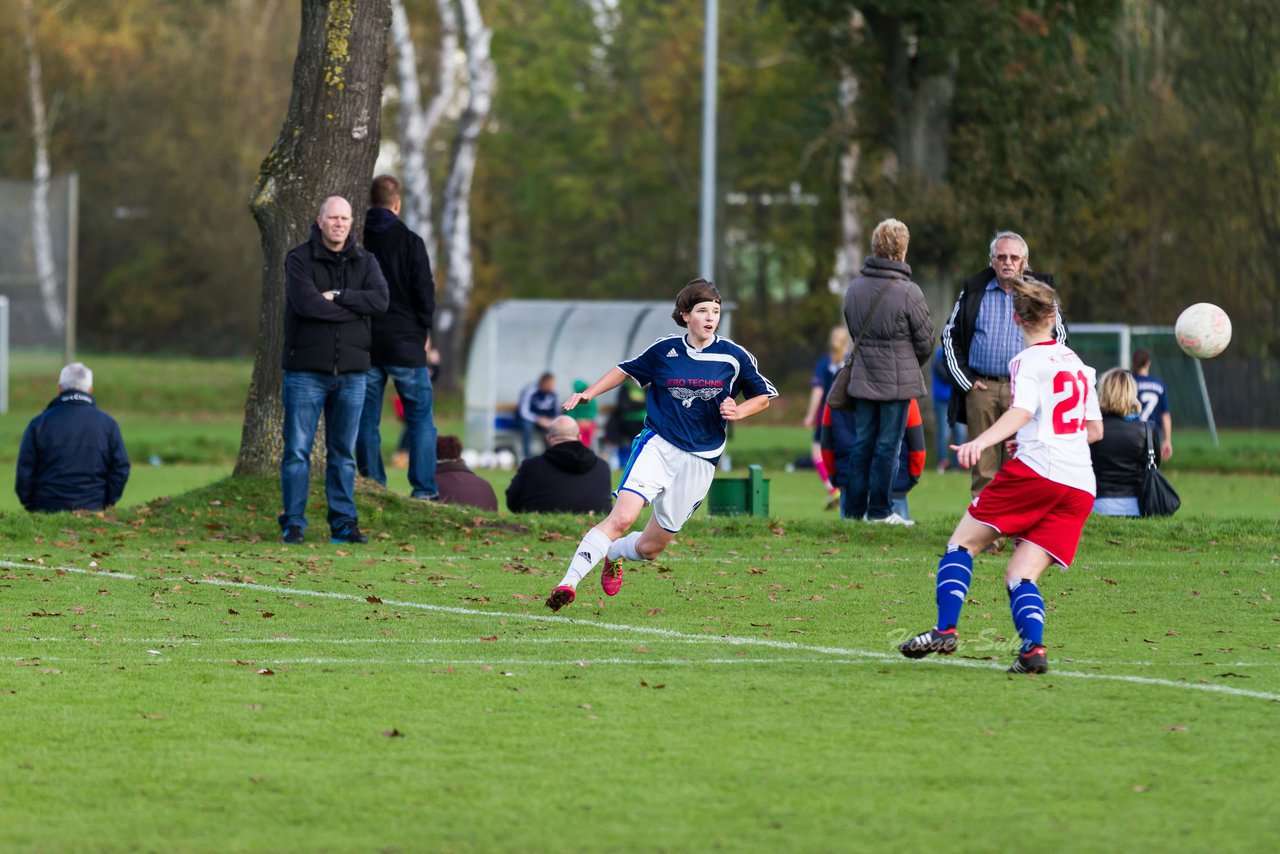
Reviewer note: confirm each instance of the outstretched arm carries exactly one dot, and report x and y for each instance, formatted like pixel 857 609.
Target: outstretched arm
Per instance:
pixel 611 380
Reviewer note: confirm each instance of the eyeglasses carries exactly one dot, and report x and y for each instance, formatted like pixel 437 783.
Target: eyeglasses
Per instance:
pixel 1011 258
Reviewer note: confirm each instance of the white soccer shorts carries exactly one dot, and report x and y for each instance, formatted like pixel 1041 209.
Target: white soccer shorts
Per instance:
pixel 674 481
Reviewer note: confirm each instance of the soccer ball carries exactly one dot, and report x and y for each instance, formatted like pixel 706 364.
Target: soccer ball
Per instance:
pixel 1203 330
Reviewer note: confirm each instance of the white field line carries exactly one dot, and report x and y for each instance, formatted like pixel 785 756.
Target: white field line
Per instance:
pixel 512 662
pixel 731 640
pixel 516 641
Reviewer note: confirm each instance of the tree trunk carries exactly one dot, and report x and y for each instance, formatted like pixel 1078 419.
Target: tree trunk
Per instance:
pixel 456 217
pixel 41 235
pixel 921 76
pixel 849 249
pixel 327 146
pixel 417 125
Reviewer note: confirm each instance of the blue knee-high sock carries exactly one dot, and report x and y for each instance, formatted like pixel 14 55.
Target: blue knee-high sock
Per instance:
pixel 955 572
pixel 1027 606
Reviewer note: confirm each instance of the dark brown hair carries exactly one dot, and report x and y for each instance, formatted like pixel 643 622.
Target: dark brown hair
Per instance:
pixel 699 290
pixel 384 191
pixel 448 447
pixel 1141 359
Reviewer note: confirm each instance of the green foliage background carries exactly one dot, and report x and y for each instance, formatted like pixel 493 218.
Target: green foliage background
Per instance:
pixel 1133 141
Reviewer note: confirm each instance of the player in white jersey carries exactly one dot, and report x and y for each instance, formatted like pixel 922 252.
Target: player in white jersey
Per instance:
pixel 1042 496
pixel 691 383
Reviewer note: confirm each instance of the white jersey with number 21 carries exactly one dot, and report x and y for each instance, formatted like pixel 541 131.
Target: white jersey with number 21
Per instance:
pixel 1049 381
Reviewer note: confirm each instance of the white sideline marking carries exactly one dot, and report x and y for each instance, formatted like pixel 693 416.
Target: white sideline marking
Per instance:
pixel 513 662
pixel 836 652
pixel 521 641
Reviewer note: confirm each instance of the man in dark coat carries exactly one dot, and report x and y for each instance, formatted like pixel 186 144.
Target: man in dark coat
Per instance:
pixel 72 456
pixel 567 478
pixel 399 350
pixel 978 341
pixel 332 288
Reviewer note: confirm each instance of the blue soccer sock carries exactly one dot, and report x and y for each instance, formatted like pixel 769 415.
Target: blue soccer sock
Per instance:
pixel 1027 607
pixel 955 572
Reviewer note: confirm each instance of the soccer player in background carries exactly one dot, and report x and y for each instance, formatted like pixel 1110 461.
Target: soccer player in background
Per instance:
pixel 1155 401
pixel 692 382
pixel 1041 497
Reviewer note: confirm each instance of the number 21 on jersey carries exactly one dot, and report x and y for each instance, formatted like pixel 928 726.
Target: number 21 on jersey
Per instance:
pixel 1068 413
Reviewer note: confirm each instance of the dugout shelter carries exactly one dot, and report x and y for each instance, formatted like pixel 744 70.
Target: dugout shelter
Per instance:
pixel 517 340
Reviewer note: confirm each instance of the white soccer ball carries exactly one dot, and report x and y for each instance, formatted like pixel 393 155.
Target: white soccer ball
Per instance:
pixel 1203 330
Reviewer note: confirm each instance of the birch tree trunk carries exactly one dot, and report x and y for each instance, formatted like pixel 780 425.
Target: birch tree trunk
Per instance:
pixel 327 146
pixel 417 125
pixel 456 216
pixel 41 233
pixel 849 250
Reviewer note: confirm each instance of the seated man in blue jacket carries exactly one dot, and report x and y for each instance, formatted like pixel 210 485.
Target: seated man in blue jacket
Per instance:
pixel 72 455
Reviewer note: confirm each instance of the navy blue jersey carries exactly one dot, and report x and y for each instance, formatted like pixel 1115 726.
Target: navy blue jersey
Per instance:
pixel 685 388
pixel 1153 397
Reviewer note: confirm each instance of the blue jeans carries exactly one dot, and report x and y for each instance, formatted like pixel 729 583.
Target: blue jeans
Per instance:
pixel 873 463
pixel 340 397
pixel 528 429
pixel 414 387
pixel 948 434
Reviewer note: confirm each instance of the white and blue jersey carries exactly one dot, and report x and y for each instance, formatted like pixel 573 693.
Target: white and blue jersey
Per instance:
pixel 685 387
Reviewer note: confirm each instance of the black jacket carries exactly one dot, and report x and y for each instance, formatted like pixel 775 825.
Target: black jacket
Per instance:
pixel 568 478
pixel 400 335
pixel 72 457
pixel 957 335
pixel 1120 457
pixel 331 337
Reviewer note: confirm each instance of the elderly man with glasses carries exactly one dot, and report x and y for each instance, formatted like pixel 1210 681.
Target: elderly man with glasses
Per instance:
pixel 978 341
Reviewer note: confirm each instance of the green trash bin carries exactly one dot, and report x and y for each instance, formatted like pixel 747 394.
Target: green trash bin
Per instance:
pixel 739 496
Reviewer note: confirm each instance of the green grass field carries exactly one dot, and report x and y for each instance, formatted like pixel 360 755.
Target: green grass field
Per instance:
pixel 175 679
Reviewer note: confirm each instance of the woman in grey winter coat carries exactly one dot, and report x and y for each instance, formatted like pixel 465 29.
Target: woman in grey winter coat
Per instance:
pixel 889 323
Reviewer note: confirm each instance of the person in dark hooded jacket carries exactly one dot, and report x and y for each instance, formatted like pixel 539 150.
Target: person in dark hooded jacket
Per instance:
pixel 399 351
pixel 72 456
pixel 567 478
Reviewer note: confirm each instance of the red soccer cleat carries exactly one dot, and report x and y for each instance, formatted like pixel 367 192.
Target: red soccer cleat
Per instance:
pixel 560 597
pixel 610 578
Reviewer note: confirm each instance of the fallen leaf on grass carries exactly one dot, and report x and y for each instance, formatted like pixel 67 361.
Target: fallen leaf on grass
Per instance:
pixel 266 671
pixel 373 600
pixel 392 733
pixel 489 638
pixel 1177 729
pixel 266 615
pixel 653 612
pixel 154 717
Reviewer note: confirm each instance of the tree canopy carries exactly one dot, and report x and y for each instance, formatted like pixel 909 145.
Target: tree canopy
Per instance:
pixel 1133 141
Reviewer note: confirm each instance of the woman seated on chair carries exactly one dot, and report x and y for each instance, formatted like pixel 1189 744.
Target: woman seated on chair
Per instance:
pixel 1120 457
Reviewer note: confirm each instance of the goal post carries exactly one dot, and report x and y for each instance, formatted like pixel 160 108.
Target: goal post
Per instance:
pixel 1103 346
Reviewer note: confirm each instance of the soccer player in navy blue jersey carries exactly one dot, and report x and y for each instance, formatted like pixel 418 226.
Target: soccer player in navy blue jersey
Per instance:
pixel 692 382
pixel 1155 401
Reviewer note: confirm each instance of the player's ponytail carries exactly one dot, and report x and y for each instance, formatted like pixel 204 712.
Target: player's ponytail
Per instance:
pixel 1035 302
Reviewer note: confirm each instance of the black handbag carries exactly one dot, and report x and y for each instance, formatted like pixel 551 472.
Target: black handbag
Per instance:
pixel 1156 496
pixel 838 397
